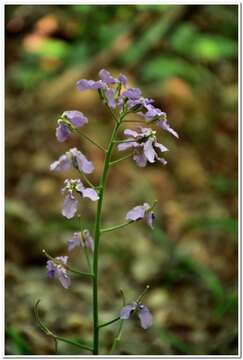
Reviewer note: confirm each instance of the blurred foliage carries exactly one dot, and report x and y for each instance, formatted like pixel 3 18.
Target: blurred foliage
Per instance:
pixel 185 57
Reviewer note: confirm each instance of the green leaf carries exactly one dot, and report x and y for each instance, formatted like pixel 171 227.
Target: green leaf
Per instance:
pixel 165 67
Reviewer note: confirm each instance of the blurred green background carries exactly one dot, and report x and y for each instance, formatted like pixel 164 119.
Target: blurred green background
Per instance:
pixel 185 57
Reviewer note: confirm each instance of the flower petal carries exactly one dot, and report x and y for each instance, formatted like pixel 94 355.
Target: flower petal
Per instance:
pixel 110 98
pixel 129 132
pixel 88 240
pixel 84 84
pixel 106 77
pixel 127 145
pixel 163 124
pixel 132 93
pixel 90 193
pixel 123 79
pixel 82 162
pixel 74 242
pixel 145 317
pixel 126 311
pixel 51 269
pixel 137 212
pixel 62 132
pixel 161 147
pixel 62 164
pixel 149 219
pixel 77 118
pixel 64 278
pixel 70 206
pixel 149 150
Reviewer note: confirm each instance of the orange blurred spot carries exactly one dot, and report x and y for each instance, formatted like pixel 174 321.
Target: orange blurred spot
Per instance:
pixel 47 25
pixel 33 42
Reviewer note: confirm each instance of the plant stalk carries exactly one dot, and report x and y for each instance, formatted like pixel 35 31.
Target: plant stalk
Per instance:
pixel 97 236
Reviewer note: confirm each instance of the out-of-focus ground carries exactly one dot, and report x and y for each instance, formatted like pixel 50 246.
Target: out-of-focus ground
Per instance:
pixel 185 57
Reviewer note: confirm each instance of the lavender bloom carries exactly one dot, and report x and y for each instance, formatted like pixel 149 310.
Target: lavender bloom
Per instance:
pixel 123 80
pixel 58 269
pixel 70 206
pixel 62 164
pixel 143 312
pixel 76 118
pixel 83 239
pixel 88 240
pixel 142 212
pixel 73 157
pixel 74 242
pixel 144 145
pixel 164 125
pixel 84 84
pixel 132 93
pixel 106 77
pixel 110 96
pixel 62 132
pixel 81 162
pixel 75 186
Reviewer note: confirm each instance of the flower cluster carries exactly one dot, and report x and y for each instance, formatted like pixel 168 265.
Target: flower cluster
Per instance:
pixel 121 100
pixel 144 144
pixel 130 100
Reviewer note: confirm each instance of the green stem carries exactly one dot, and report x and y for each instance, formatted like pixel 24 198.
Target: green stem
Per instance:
pixel 117 338
pixel 86 137
pixel 116 227
pixel 121 159
pixel 87 180
pixel 97 235
pixel 109 322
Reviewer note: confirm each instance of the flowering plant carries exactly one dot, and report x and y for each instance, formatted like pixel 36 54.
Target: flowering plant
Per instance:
pixel 120 100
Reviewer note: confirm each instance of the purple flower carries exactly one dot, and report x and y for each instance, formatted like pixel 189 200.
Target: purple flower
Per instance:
pixel 106 77
pixel 57 268
pixel 142 311
pixel 76 118
pixel 83 239
pixel 88 240
pixel 164 125
pixel 123 80
pixel 75 187
pixel 70 206
pixel 132 93
pixel 62 164
pixel 110 96
pixel 73 157
pixel 142 212
pixel 81 162
pixel 74 242
pixel 62 132
pixel 145 146
pixel 152 112
pixel 84 84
